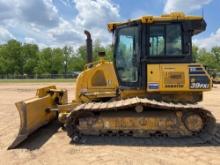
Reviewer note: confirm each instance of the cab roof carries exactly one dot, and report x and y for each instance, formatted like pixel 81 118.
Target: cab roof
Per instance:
pixel 175 16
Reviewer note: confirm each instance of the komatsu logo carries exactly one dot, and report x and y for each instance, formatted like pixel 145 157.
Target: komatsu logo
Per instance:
pixel 153 85
pixel 199 86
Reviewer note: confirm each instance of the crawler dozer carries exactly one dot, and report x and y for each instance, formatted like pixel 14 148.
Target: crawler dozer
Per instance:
pixel 151 88
pixel 215 75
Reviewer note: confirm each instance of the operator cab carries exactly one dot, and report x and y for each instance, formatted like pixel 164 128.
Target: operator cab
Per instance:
pixel 152 40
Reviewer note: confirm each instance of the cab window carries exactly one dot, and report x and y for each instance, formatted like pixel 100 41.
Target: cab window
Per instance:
pixel 157 41
pixel 173 40
pixel 126 54
pixel 165 40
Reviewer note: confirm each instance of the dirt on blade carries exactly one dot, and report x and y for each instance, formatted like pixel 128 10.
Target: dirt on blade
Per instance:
pixel 51 145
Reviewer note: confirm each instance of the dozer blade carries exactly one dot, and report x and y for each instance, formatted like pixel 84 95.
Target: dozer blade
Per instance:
pixel 35 112
pixel 33 115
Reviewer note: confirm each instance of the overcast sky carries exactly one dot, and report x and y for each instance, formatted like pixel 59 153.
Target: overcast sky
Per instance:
pixel 60 22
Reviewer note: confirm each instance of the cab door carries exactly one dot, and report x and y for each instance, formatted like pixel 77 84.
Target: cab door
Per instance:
pixel 127 56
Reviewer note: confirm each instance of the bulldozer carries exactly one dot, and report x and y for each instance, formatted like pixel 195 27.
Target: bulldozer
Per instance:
pixel 150 89
pixel 215 75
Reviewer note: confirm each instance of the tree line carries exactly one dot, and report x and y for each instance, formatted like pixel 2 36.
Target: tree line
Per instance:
pixel 28 59
pixel 18 58
pixel 209 58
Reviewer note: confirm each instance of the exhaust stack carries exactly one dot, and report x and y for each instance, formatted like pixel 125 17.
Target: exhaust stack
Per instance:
pixel 88 46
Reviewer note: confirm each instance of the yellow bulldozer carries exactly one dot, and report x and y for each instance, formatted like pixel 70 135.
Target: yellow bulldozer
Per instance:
pixel 150 89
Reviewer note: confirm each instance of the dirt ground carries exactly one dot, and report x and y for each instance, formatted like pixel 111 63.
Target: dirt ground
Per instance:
pixel 51 145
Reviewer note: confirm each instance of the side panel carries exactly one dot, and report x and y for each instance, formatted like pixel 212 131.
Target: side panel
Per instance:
pixel 96 82
pixel 177 77
pixel 153 77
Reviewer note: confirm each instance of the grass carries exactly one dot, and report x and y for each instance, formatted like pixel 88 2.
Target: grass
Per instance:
pixel 35 80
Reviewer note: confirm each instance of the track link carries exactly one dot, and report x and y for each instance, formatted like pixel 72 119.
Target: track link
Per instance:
pixel 208 134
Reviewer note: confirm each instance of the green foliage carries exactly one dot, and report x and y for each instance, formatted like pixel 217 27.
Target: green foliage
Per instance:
pixel 195 53
pixel 30 54
pixel 216 53
pixel 211 59
pixel 207 58
pixel 79 59
pixel 12 60
pixel 27 59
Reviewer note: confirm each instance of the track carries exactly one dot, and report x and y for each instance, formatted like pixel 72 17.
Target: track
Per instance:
pixel 207 135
